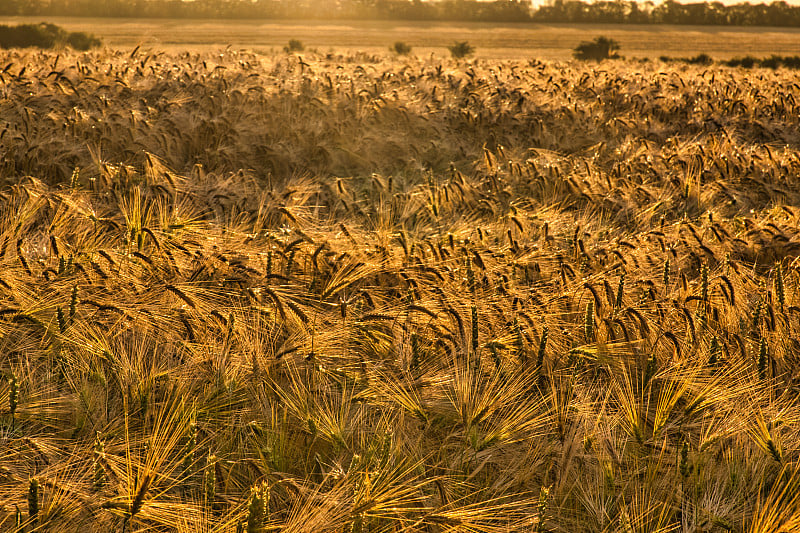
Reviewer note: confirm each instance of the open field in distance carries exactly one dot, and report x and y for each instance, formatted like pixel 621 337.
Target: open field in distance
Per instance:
pixel 510 41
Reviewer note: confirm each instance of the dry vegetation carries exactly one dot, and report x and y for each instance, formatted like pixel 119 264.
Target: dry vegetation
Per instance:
pixel 248 293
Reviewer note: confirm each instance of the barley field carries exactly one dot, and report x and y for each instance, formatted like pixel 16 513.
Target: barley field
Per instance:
pixel 351 292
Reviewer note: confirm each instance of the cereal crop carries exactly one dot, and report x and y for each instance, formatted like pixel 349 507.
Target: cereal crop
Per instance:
pixel 352 292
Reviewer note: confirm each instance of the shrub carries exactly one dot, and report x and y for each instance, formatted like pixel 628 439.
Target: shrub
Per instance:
pixel 294 46
pixel 772 62
pixel 400 48
pixel 597 50
pixel 700 59
pixel 44 35
pixel 744 62
pixel 461 49
pixel 80 40
pixel 748 61
pixel 792 62
pixel 31 35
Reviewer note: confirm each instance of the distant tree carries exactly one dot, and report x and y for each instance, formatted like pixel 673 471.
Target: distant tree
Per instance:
pixel 44 35
pixel 294 46
pixel 400 48
pixel 12 7
pixel 700 59
pixel 597 50
pixel 744 62
pixel 82 41
pixel 461 49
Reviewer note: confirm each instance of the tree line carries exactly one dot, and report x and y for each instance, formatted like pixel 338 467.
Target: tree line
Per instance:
pixel 777 13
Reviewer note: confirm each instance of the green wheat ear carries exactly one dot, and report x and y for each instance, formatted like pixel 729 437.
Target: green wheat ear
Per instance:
pixel 142 486
pixel 704 283
pixel 685 466
pixel 191 445
pixel 495 355
pixel 774 451
pixel 474 310
pixel 470 276
pixel 620 292
pixel 33 500
pixel 415 352
pixel 763 358
pixel 73 181
pixel 542 348
pixel 255 512
pixel 625 522
pixel 99 474
pixel 62 321
pixel 651 368
pixel 541 508
pixel 290 262
pixel 358 524
pixel 714 350
pixel 519 342
pixel 757 314
pixel 73 302
pixel 210 481
pixel 778 285
pixel 13 395
pixel 589 322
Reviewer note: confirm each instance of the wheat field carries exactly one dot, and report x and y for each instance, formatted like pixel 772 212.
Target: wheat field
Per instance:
pixel 353 292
